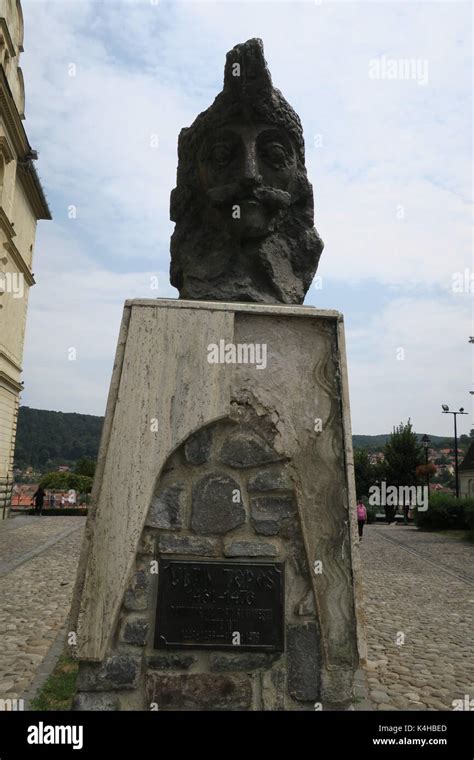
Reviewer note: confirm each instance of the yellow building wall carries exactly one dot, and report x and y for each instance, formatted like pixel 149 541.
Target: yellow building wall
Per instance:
pixel 21 205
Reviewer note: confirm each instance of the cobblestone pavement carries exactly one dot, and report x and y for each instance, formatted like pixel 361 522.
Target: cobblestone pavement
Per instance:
pixel 419 601
pixel 419 604
pixel 38 564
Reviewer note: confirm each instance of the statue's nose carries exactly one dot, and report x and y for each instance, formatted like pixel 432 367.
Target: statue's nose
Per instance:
pixel 250 171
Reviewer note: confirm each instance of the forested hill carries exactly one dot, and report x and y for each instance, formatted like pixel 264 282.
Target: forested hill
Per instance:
pixel 46 439
pixel 55 437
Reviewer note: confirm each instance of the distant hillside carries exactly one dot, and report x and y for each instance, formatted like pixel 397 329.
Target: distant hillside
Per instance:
pixel 377 442
pixel 46 439
pixel 55 437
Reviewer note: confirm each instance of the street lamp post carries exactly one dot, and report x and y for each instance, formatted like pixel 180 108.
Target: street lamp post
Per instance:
pixel 426 440
pixel 445 409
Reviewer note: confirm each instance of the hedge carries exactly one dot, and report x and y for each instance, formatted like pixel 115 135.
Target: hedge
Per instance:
pixel 446 512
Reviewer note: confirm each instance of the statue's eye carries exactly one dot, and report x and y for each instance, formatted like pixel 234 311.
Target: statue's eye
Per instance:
pixel 221 154
pixel 274 153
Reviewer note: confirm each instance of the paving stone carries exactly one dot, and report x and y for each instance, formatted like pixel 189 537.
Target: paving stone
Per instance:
pixel 434 662
pixel 379 696
pixel 39 561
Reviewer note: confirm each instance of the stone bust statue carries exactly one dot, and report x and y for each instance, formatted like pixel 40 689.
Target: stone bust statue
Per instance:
pixel 243 205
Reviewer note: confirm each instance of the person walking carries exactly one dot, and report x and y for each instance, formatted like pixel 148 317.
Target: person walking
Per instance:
pixel 38 498
pixel 361 517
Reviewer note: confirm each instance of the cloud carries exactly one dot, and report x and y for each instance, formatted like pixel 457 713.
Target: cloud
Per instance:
pixel 391 177
pixel 412 357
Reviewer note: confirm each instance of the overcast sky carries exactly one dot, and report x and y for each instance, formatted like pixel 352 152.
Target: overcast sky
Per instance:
pixel 389 160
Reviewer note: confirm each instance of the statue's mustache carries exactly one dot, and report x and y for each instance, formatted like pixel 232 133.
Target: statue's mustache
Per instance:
pixel 240 191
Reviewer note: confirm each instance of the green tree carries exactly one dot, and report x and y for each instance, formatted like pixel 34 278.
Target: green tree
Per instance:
pixel 85 466
pixel 64 481
pixel 403 454
pixel 364 471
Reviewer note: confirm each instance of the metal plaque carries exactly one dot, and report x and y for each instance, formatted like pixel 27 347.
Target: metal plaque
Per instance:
pixel 220 605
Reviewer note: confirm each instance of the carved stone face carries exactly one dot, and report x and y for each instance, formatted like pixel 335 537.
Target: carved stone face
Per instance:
pixel 243 204
pixel 247 173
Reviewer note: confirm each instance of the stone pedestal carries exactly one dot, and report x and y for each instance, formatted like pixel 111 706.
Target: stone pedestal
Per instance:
pixel 226 440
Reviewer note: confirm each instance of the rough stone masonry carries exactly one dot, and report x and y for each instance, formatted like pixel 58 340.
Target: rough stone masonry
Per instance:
pixel 246 466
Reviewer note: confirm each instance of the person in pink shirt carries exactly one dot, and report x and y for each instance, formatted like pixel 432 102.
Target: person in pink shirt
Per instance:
pixel 361 517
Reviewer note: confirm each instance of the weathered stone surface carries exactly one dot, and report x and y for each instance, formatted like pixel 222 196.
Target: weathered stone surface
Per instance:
pixel 167 508
pixel 222 663
pixel 265 527
pixel 136 596
pixel 269 252
pixel 199 691
pixel 247 449
pixel 147 543
pixel 304 662
pixel 306 605
pixel 304 350
pixel 197 448
pixel 269 480
pixel 245 548
pixel 203 547
pixel 273 689
pixel 119 671
pixel 135 632
pixel 174 343
pixel 213 507
pixel 269 512
pixel 170 661
pixel 95 702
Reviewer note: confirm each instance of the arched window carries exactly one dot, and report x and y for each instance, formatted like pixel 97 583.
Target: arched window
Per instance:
pixel 21 104
pixel 20 24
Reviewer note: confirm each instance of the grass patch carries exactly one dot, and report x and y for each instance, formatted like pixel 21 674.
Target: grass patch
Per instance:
pixel 58 691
